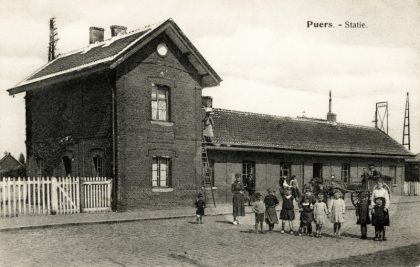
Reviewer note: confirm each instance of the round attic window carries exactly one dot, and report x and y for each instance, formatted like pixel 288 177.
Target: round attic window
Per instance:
pixel 162 49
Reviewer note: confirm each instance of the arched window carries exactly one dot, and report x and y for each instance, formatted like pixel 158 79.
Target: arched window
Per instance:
pixel 98 166
pixel 97 156
pixel 39 167
pixel 67 165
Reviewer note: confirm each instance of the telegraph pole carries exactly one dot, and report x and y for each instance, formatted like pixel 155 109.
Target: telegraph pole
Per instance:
pixel 52 47
pixel 406 129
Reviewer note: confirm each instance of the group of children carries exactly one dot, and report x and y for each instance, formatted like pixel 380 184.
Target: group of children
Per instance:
pixel 312 209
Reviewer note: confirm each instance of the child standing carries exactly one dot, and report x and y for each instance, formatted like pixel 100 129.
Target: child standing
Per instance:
pixel 337 209
pixel 306 216
pixel 295 187
pixel 379 218
pixel 287 212
pixel 258 208
pixel 271 201
pixel 200 205
pixel 320 212
pixel 362 213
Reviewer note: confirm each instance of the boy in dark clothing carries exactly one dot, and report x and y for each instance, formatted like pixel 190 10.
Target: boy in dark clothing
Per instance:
pixel 200 204
pixel 362 213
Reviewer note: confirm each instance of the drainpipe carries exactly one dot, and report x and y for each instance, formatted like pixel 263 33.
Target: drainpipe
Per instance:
pixel 111 81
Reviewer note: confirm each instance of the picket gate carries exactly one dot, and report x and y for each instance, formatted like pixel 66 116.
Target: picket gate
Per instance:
pixel 97 194
pixel 411 188
pixel 51 195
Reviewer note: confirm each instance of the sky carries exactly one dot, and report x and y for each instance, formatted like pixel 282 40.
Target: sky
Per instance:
pixel 268 58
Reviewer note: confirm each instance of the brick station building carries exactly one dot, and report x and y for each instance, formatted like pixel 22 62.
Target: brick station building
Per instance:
pixel 130 108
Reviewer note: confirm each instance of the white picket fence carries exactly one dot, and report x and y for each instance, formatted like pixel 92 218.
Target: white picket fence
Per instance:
pixel 62 195
pixel 412 188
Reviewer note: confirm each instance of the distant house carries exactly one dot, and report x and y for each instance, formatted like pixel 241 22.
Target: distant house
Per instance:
pixel 9 163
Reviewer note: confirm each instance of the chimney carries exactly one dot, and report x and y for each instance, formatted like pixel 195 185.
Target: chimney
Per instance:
pixel 96 35
pixel 117 29
pixel 331 117
pixel 207 103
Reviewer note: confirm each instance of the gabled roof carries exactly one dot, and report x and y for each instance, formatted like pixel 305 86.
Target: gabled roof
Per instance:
pixel 234 129
pixel 8 162
pixel 114 51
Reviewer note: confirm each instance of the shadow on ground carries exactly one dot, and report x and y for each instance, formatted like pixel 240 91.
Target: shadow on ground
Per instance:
pixel 401 256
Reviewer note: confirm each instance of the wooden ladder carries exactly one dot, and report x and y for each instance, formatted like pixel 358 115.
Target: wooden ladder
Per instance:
pixel 206 173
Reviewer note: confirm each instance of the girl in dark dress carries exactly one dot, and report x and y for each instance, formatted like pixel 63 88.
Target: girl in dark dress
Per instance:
pixel 306 216
pixel 287 212
pixel 271 201
pixel 380 219
pixel 362 213
pixel 237 199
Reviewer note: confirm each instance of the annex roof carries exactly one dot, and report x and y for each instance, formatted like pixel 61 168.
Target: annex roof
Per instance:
pixel 110 53
pixel 234 129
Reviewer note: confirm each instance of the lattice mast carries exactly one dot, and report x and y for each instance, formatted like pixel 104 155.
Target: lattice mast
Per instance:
pixel 381 116
pixel 406 128
pixel 52 45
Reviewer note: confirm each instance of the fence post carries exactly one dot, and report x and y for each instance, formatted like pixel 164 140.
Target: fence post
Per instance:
pixel 109 200
pixel 54 198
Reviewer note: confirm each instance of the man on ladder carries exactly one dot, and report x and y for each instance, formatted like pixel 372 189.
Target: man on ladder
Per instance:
pixel 207 139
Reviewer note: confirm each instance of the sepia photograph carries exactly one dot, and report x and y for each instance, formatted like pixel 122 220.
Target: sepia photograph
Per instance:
pixel 210 133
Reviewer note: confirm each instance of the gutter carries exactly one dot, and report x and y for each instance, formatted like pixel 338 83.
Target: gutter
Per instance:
pixel 282 151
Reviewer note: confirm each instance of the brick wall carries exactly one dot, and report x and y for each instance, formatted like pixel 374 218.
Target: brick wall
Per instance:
pixel 80 109
pixel 140 139
pixel 268 169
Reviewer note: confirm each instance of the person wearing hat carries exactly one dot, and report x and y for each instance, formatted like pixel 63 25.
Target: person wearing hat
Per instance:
pixel 258 208
pixel 271 201
pixel 208 125
pixel 237 199
pixel 380 193
pixel 200 205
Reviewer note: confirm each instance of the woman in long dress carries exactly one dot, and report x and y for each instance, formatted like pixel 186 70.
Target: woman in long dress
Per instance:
pixel 237 199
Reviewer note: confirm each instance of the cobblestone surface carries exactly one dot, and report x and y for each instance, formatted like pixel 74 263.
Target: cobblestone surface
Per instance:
pixel 181 242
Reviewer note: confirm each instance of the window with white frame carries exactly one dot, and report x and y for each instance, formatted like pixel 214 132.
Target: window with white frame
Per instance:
pixel 161 172
pixel 248 167
pixel 345 173
pixel 98 166
pixel 39 167
pixel 286 169
pixel 160 103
